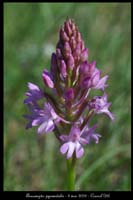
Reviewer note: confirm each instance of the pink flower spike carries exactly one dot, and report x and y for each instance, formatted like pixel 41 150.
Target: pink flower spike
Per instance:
pixel 69 103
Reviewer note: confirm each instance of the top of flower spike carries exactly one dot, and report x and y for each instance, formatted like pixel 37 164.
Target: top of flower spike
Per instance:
pixel 69 63
pixel 70 47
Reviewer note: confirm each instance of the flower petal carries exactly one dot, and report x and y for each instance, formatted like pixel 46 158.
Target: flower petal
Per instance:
pixel 83 141
pixel 64 148
pixel 37 121
pixel 95 78
pixel 96 137
pixel 42 128
pixel 34 93
pixel 101 84
pixel 32 86
pixel 47 79
pixel 71 149
pixel 79 151
pixel 108 113
pixel 50 126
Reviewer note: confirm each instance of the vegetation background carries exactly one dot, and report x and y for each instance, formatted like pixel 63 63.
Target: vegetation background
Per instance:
pixel 33 162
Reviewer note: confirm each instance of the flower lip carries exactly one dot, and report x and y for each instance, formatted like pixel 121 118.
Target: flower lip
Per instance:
pixel 76 138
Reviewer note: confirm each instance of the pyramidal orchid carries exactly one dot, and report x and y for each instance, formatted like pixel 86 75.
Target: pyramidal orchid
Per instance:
pixel 68 107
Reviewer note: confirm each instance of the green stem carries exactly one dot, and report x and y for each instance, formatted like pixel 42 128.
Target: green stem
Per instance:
pixel 71 174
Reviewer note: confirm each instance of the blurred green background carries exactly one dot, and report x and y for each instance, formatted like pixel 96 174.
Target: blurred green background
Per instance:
pixel 33 162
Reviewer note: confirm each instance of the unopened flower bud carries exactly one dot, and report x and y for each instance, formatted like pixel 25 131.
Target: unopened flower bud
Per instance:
pixel 69 94
pixel 53 64
pixel 79 37
pixel 82 45
pixel 86 82
pixel 59 45
pixel 68 28
pixel 47 79
pixel 63 35
pixel 84 68
pixel 95 78
pixel 73 43
pixel 70 62
pixel 67 47
pixel 58 53
pixel 77 50
pixel 63 69
pixel 73 27
pixel 84 55
pixel 92 67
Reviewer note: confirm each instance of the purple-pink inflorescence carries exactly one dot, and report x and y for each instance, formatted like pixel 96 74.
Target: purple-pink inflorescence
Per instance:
pixel 67 107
